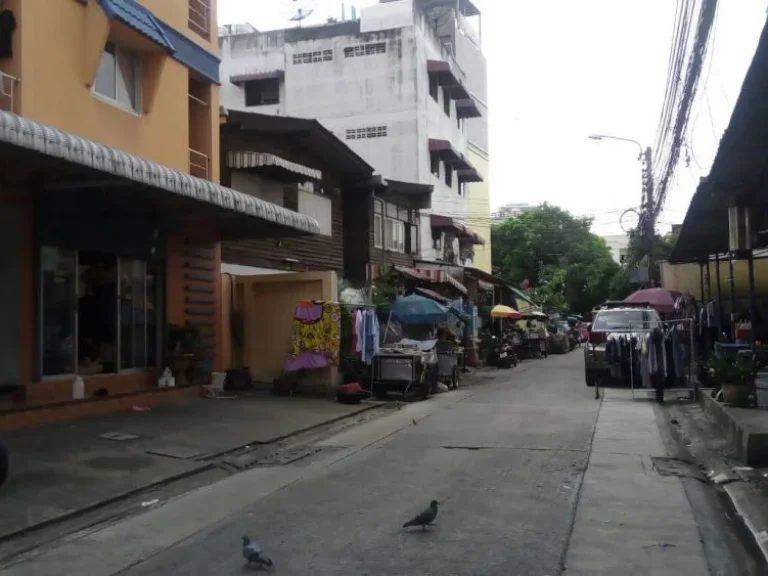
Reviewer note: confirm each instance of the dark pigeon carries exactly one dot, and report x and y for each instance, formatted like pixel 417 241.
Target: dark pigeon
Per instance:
pixel 253 553
pixel 425 518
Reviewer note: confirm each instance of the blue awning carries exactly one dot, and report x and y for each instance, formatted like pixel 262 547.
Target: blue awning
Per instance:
pixel 135 16
pixel 192 55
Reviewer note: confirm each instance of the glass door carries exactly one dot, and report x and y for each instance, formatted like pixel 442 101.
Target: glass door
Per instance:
pixel 58 334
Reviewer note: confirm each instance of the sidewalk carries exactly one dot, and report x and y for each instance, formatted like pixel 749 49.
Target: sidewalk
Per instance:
pixel 630 519
pixel 63 468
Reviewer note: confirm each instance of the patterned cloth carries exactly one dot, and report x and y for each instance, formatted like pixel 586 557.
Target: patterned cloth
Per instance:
pixel 315 337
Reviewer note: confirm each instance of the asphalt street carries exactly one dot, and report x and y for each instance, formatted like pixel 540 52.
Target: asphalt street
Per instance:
pixel 505 458
pixel 506 462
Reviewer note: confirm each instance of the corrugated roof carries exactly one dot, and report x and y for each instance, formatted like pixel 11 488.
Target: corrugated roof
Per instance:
pixel 24 133
pixel 137 17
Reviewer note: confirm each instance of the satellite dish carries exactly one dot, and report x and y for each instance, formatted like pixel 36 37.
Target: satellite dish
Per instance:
pixel 298 10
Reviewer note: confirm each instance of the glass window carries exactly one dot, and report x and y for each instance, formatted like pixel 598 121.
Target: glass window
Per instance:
pixel 95 320
pixel 133 323
pixel 378 206
pixel 59 287
pixel 118 76
pixel 402 214
pixel 377 242
pixel 97 313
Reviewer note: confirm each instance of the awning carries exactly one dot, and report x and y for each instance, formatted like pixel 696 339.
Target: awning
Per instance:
pixel 470 175
pixel 444 150
pixel 432 294
pixel 438 276
pixel 302 139
pixel 467 108
pixel 27 134
pixel 447 78
pixel 255 76
pixel 462 231
pixel 411 273
pixel 139 18
pixel 272 166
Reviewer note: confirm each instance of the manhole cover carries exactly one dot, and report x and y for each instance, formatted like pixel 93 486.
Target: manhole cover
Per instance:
pixel 178 452
pixel 118 436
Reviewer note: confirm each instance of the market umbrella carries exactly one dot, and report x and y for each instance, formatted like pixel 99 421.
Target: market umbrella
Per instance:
pixel 501 311
pixel 415 309
pixel 659 298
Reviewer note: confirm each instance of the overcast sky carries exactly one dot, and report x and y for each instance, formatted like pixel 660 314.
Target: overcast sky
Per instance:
pixel 560 70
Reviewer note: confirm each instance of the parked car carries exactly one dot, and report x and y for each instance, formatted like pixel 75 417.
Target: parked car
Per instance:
pixel 614 320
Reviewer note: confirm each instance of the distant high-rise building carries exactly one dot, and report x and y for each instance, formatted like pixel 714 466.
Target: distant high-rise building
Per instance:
pixel 508 211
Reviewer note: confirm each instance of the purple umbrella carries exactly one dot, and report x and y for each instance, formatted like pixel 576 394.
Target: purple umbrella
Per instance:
pixel 662 300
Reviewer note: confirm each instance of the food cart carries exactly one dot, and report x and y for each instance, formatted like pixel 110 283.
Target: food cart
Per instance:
pixel 417 363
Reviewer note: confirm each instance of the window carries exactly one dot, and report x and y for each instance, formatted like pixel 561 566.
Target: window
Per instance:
pixel 100 313
pixel 368 132
pixel 394 235
pixel 434 165
pixel 413 240
pixel 313 57
pixel 378 209
pixel 433 87
pixel 448 176
pixel 365 50
pixel 462 188
pixel 262 92
pixel 200 17
pixel 446 102
pixel 118 77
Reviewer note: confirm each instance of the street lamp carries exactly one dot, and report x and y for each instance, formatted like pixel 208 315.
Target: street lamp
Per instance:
pixel 648 224
pixel 599 137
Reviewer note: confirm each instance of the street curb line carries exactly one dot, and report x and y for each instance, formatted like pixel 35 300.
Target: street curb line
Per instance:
pixel 750 521
pixel 205 464
pixel 106 502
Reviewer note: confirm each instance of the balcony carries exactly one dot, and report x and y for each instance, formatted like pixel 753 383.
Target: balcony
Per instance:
pixel 200 17
pixel 199 164
pixel 8 93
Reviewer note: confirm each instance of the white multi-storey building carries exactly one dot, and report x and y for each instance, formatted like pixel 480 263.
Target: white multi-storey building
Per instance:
pixel 404 86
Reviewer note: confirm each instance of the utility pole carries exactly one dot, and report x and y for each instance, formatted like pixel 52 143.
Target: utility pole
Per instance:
pixel 648 220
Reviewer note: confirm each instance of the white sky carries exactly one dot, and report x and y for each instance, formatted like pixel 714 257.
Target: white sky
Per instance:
pixel 560 70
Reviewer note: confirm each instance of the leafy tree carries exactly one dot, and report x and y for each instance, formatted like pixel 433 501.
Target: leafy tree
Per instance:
pixel 567 266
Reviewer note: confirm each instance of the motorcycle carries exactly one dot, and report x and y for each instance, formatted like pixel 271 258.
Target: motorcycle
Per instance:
pixel 504 353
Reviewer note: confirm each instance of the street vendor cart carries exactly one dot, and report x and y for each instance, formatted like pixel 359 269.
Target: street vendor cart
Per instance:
pixel 416 364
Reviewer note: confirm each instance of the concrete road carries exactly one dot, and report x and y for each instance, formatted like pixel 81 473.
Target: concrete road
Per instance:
pixel 505 458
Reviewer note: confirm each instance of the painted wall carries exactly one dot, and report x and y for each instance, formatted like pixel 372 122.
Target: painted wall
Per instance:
pixel 480 209
pixel 57 47
pixel 270 301
pixel 686 278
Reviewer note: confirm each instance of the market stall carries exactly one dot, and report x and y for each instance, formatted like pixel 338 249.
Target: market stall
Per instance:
pixel 425 354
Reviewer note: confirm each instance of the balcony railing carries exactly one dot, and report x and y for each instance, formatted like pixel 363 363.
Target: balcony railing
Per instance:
pixel 200 17
pixel 8 88
pixel 199 164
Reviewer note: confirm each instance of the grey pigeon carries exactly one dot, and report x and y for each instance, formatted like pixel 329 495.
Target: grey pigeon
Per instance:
pixel 253 553
pixel 425 518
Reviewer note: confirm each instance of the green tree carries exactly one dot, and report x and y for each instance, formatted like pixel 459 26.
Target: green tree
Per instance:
pixel 566 265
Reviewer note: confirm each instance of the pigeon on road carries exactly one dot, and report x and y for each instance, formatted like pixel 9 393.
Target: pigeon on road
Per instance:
pixel 253 553
pixel 425 518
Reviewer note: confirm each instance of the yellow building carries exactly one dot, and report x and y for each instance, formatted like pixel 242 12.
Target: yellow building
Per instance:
pixel 111 217
pixel 480 208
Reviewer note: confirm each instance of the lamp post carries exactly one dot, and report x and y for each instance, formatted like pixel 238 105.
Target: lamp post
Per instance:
pixel 647 224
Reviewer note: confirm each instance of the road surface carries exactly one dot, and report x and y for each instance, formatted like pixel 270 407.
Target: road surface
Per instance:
pixel 506 458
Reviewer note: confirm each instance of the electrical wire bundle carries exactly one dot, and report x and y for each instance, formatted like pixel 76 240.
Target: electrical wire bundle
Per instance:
pixel 682 83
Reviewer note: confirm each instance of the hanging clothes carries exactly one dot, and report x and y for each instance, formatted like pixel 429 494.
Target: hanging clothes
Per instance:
pixel 315 336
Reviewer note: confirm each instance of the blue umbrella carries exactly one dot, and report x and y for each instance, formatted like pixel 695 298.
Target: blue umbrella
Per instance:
pixel 415 309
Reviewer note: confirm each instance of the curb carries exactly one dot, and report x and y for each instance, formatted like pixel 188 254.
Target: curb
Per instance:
pixel 738 494
pixel 747 505
pixel 101 503
pixel 204 464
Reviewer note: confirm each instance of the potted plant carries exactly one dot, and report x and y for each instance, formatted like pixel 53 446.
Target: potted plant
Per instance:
pixel 734 376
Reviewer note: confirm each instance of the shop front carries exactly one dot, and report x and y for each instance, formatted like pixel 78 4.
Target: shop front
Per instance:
pixel 102 254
